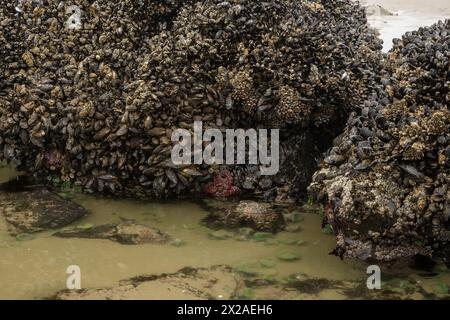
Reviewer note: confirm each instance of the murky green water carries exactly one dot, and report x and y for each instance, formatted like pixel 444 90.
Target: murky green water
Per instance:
pixel 36 268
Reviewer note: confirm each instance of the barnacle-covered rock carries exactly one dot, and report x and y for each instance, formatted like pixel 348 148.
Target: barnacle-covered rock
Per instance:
pixel 247 214
pixel 388 196
pixel 37 209
pixel 95 89
pixel 11 49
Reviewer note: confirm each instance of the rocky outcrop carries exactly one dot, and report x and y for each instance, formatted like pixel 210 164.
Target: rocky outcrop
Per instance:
pixel 385 185
pixel 124 233
pixel 94 90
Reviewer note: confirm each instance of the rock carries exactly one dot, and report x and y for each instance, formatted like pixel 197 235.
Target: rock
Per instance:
pixel 308 285
pixel 247 214
pixel 390 198
pixel 24 237
pixel 217 282
pixel 124 233
pixel 85 101
pixel 288 256
pixel 38 209
pixel 304 287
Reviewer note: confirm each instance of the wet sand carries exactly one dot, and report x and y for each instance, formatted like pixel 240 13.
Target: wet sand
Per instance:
pixel 408 15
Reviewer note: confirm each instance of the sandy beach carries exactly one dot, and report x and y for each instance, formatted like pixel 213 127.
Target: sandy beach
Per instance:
pixel 408 15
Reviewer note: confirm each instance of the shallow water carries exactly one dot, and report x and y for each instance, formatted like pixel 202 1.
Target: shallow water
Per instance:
pixel 36 268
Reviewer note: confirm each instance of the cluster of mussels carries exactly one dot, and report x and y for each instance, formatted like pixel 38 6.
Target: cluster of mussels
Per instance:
pixel 91 91
pixel 385 185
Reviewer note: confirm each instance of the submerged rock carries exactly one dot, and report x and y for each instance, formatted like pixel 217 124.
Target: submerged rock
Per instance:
pixel 246 214
pixel 218 282
pixel 124 233
pixel 301 286
pixel 390 197
pixel 38 209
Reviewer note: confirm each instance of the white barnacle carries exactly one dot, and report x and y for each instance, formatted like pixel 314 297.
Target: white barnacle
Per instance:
pixel 73 9
pixel 74 20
